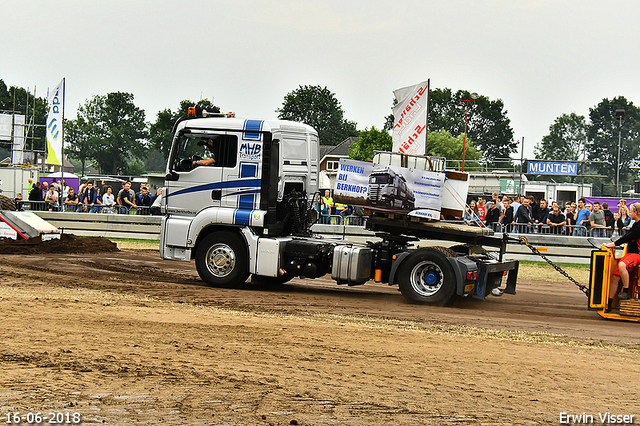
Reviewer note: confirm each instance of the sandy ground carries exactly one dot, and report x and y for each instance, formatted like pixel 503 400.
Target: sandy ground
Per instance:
pixel 127 339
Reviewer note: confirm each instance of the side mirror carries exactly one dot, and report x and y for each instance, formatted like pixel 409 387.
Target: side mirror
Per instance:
pixel 172 176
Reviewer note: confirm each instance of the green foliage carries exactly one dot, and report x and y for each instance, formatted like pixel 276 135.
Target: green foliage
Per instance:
pixel 136 167
pixel 566 139
pixel 487 122
pixel 319 108
pixel 388 120
pixel 79 144
pixel 111 131
pixel 155 161
pixel 24 104
pixel 442 144
pixel 602 135
pixel 368 141
pixel 488 125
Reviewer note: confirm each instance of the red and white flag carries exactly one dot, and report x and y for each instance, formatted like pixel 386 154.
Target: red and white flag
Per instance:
pixel 410 119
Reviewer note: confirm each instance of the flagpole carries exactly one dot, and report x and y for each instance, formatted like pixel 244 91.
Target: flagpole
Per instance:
pixel 64 94
pixel 426 120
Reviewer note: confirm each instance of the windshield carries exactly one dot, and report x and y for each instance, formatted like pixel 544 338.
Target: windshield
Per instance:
pixel 385 178
pixel 223 148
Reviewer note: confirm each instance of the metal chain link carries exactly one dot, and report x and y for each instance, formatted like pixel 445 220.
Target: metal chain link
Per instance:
pixel 583 288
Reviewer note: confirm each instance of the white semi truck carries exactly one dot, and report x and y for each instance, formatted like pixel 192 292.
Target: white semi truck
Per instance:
pixel 239 201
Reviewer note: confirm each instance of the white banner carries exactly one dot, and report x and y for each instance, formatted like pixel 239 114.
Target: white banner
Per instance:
pixel 17 150
pixel 352 181
pixel 416 192
pixel 6 121
pixel 54 125
pixel 410 119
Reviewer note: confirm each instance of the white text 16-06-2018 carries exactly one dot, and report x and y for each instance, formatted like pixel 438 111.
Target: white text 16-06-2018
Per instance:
pixel 48 418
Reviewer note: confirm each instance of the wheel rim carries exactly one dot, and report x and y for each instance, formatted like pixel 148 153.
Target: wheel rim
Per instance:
pixel 221 259
pixel 426 278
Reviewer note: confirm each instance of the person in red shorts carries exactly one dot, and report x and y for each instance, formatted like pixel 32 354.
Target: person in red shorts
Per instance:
pixel 630 260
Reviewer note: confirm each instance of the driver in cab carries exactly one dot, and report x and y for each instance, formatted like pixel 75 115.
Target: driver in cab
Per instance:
pixel 211 158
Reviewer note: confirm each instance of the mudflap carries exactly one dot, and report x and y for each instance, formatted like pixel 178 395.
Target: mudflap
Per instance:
pixel 490 277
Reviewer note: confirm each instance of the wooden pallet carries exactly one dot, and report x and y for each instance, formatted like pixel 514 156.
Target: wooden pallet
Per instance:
pixel 630 307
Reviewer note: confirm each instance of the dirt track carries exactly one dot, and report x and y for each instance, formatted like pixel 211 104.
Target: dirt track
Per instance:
pixel 124 338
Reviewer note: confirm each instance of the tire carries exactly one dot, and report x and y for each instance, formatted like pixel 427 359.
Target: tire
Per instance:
pixel 7 203
pixel 222 260
pixel 426 276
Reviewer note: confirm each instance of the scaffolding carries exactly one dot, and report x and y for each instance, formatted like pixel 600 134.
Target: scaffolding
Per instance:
pixel 22 134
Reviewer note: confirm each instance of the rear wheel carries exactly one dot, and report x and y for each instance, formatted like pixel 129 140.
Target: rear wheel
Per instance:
pixel 426 276
pixel 221 260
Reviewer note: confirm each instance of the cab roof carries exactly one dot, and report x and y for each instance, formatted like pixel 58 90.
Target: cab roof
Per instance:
pixel 247 125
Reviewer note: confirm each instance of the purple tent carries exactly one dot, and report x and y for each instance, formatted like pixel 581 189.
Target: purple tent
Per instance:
pixel 611 201
pixel 72 180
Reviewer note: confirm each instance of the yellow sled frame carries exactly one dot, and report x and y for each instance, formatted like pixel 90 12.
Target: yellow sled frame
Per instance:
pixel 603 263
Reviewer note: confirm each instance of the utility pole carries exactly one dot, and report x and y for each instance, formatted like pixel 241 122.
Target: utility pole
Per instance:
pixel 473 96
pixel 620 117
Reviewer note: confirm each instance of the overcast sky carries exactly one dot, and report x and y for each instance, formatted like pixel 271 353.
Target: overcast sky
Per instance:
pixel 543 58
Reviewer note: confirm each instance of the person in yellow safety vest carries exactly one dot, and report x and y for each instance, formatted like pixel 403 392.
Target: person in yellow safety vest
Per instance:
pixel 327 200
pixel 342 209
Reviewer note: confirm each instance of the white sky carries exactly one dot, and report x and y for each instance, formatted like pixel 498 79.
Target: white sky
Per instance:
pixel 543 58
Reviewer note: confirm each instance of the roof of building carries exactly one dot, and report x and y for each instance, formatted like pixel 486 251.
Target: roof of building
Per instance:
pixel 340 150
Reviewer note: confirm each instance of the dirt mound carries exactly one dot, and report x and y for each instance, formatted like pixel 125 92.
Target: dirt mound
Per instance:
pixel 68 243
pixel 7 203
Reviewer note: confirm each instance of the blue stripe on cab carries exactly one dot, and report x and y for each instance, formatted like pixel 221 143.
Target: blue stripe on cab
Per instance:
pixel 246 201
pixel 248 183
pixel 251 129
pixel 242 217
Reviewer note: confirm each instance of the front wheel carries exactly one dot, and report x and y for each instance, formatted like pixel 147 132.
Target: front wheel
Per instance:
pixel 221 260
pixel 426 276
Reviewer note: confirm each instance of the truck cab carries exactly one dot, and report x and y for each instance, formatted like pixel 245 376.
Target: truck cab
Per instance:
pixel 257 164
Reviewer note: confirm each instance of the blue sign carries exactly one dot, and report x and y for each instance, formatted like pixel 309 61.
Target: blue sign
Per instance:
pixel 562 168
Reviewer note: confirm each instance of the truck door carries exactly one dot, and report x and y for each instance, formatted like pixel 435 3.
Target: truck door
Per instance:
pixel 197 176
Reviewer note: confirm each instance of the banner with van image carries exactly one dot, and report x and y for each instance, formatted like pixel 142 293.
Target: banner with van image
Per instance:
pixel 389 188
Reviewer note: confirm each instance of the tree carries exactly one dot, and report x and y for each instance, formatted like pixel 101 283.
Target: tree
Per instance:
pixel 114 129
pixel 566 139
pixel 79 143
pixel 602 139
pixel 155 162
pixel 487 123
pixel 160 132
pixel 443 144
pixel 370 140
pixel 319 108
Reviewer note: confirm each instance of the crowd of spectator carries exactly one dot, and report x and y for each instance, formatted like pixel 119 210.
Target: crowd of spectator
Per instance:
pixel 90 198
pixel 525 214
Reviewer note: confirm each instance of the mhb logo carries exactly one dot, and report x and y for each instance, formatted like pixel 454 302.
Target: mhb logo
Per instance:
pixel 251 151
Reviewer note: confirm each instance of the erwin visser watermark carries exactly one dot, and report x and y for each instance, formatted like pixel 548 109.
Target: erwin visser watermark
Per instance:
pixel 600 418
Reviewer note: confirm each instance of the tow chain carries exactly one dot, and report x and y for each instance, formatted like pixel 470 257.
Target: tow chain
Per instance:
pixel 583 288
